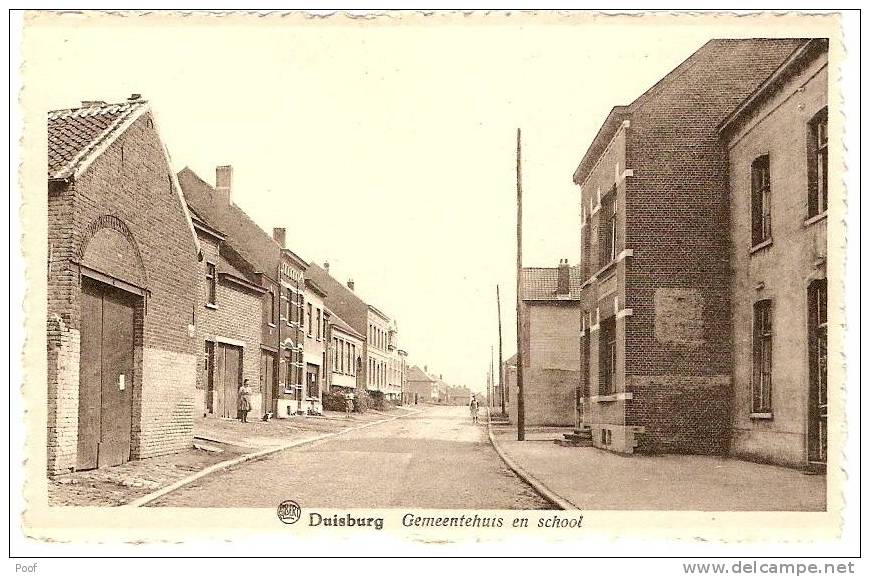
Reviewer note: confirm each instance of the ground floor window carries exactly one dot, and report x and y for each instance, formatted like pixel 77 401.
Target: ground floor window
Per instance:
pixel 607 372
pixel 762 345
pixel 587 364
pixel 817 301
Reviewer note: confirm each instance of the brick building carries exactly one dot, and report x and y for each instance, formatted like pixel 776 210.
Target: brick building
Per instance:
pixel 121 290
pixel 228 326
pixel 654 197
pixel 777 149
pixel 418 386
pixel 278 271
pixel 552 361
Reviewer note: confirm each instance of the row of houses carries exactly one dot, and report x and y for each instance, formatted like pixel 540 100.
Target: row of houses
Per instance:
pixel 421 386
pixel 164 296
pixel 696 318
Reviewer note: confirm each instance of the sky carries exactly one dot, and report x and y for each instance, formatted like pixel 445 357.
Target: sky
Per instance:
pixel 385 146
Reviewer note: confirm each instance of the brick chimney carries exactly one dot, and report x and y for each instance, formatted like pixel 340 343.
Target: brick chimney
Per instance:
pixel 223 183
pixel 563 283
pixel 326 266
pixel 279 235
pixel 350 283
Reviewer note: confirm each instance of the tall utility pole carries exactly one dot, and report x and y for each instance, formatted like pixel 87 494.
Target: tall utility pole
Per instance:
pixel 491 375
pixel 500 357
pixel 521 408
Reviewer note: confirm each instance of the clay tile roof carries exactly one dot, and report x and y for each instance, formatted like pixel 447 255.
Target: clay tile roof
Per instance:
pixel 539 284
pixel 253 243
pixel 416 374
pixel 338 322
pixel 75 133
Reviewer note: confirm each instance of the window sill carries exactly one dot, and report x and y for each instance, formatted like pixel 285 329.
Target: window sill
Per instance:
pixel 271 325
pixel 763 244
pixel 814 219
pixel 611 398
pixel 211 306
pixel 761 416
pixel 606 268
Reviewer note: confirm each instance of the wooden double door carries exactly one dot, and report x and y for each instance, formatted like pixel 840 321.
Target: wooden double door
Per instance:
pixel 224 379
pixel 105 375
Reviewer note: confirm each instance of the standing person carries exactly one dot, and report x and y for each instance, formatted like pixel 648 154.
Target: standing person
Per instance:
pixel 244 400
pixel 473 407
pixel 348 405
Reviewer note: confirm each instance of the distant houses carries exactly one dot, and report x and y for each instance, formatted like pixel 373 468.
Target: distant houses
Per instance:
pixel 422 387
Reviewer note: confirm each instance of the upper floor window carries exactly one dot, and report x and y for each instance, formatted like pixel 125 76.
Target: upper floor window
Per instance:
pixel 608 229
pixel 270 303
pixel 353 365
pixel 585 252
pixel 762 352
pixel 760 199
pixel 310 322
pixel 817 163
pixel 319 324
pixel 211 282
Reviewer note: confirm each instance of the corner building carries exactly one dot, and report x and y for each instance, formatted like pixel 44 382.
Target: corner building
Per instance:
pixel 122 286
pixel 655 305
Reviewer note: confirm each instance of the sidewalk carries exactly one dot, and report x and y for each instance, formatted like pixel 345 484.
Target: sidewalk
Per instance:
pixel 594 479
pixel 215 441
pixel 277 432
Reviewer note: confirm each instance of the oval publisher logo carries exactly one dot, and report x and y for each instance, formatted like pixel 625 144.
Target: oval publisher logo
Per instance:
pixel 289 512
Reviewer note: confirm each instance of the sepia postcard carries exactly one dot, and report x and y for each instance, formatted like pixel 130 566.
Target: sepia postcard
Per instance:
pixel 433 279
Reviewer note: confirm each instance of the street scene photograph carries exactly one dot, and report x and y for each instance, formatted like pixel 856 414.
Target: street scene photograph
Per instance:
pixel 451 267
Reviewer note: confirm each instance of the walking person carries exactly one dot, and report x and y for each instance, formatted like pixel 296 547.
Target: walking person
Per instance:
pixel 474 408
pixel 244 400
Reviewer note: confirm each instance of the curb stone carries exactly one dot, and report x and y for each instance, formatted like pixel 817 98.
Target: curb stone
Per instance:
pixel 554 498
pixel 141 501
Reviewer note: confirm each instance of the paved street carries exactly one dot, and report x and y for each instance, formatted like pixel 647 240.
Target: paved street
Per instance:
pixel 437 459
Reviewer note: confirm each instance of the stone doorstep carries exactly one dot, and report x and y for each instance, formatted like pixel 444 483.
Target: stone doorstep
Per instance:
pixel 207 447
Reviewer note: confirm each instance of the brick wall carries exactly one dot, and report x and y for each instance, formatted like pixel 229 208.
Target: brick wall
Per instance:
pixel 238 316
pixel 552 360
pixel 680 414
pixel 63 386
pixel 554 336
pixel 549 396
pixel 111 193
